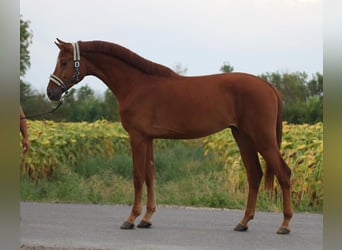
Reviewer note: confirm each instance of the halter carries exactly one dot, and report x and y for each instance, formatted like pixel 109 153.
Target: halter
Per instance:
pixel 75 76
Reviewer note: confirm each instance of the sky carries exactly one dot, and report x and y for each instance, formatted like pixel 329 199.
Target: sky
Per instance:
pixel 253 36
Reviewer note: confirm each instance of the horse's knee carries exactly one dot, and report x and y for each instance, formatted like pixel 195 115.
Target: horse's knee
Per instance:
pixel 138 182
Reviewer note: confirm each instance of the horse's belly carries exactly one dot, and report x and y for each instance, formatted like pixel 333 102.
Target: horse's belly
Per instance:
pixel 189 126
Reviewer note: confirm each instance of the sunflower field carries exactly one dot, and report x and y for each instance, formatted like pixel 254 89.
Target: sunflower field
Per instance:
pixel 57 144
pixel 302 149
pixel 62 145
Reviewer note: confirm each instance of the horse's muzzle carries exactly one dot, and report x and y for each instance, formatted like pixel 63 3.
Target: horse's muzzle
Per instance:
pixel 54 94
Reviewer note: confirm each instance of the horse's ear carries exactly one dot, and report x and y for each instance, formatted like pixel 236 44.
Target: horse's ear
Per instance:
pixel 60 41
pixel 60 44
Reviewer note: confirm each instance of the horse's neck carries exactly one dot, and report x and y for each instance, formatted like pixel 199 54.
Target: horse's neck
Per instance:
pixel 118 76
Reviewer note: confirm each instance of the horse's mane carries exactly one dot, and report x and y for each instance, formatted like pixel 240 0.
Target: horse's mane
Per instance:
pixel 126 56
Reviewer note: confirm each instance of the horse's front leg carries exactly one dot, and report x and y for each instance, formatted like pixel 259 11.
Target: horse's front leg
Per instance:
pixel 146 222
pixel 139 152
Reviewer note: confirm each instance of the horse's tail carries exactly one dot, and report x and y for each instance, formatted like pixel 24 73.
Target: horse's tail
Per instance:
pixel 269 174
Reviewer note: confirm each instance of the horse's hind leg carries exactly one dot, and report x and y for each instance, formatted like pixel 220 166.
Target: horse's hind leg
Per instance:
pixel 274 160
pixel 254 174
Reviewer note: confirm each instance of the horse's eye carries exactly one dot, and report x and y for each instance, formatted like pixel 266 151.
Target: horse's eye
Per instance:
pixel 64 63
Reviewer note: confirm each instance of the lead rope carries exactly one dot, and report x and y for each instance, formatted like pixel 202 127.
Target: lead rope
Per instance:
pixel 42 114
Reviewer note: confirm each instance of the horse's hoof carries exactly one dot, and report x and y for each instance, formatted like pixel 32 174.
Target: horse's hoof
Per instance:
pixel 127 225
pixel 240 228
pixel 144 224
pixel 283 230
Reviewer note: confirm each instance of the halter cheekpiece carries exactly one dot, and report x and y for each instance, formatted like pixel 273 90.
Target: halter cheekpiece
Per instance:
pixel 77 58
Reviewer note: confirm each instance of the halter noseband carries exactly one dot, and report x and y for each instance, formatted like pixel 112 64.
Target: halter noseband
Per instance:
pixel 75 76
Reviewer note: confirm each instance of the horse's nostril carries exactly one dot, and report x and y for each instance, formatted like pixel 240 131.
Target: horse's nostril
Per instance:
pixel 50 94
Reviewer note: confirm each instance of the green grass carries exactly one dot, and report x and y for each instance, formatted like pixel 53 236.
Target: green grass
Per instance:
pixel 184 176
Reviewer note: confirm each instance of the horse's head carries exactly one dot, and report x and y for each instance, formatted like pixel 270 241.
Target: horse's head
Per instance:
pixel 69 70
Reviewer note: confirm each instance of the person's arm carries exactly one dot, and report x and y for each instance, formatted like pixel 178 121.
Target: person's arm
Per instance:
pixel 24 132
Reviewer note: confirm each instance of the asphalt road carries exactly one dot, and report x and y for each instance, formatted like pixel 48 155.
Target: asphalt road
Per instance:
pixel 74 226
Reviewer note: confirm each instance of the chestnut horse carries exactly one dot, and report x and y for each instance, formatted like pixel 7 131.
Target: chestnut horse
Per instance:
pixel 155 102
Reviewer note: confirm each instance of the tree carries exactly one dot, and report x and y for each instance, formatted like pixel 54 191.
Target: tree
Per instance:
pixel 110 106
pixel 302 98
pixel 180 69
pixel 25 88
pixel 25 41
pixel 315 86
pixel 226 68
pixel 315 109
pixel 87 105
pixel 292 86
